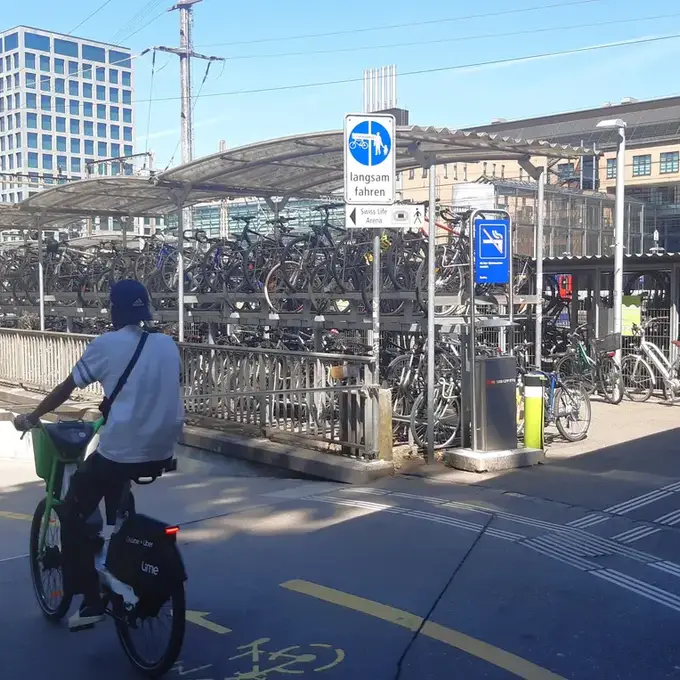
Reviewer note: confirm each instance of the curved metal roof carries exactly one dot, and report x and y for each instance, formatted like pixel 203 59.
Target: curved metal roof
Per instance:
pixel 301 164
pixel 12 217
pixel 116 196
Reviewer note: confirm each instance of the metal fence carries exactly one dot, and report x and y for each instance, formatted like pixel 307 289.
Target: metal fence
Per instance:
pixel 323 399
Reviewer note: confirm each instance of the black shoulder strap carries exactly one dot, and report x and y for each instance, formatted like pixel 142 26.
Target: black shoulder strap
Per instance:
pixel 126 374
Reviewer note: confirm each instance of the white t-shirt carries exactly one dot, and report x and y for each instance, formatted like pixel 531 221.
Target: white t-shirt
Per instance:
pixel 146 417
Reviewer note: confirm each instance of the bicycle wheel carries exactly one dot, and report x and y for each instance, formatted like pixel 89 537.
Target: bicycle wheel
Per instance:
pixel 610 380
pixel 446 420
pixel 571 367
pixel 638 379
pixel 570 401
pixel 128 624
pixel 52 597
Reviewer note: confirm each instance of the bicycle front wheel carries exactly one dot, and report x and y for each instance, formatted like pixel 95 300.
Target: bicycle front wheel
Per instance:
pixel 46 565
pixel 611 380
pixel 572 411
pixel 131 626
pixel 638 379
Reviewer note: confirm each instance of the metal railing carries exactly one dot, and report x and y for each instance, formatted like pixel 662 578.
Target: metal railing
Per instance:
pixel 324 399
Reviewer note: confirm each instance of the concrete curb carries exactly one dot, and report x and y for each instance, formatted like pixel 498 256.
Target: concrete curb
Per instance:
pixel 475 461
pixel 304 461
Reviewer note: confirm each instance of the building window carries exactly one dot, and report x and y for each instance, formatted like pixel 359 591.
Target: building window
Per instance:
pixel 127 134
pixel 75 126
pixel 113 76
pixel 31 101
pixel 60 125
pixel 127 150
pixel 61 163
pixel 66 48
pixel 87 91
pixel 127 97
pixel 115 150
pixel 59 85
pixel 59 66
pixel 75 165
pixel 87 109
pixel 669 162
pixel 611 168
pixel 120 59
pixel 101 149
pixel 92 53
pixel 642 165
pixel 113 94
pixel 73 88
pixel 30 80
pixel 46 122
pixel 44 63
pixel 32 121
pixel 101 111
pixel 88 128
pixel 61 144
pixel 127 79
pixel 101 74
pixel 32 140
pixel 45 102
pixel 45 83
pixel 60 105
pixel 115 132
pixel 101 129
pixel 127 115
pixel 29 60
pixel 47 161
pixel 32 159
pixel 87 71
pixel 74 107
pixel 33 41
pixel 46 143
pixel 75 146
pixel 89 147
pixel 114 113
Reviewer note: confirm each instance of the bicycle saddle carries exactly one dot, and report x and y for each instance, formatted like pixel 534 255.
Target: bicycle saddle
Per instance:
pixel 151 471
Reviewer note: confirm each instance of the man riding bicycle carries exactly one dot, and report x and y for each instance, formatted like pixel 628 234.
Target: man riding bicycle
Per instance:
pixel 139 372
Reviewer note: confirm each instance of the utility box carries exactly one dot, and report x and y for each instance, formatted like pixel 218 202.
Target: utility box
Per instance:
pixel 496 407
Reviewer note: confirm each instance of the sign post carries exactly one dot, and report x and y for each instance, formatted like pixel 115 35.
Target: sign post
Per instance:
pixel 490 262
pixel 370 180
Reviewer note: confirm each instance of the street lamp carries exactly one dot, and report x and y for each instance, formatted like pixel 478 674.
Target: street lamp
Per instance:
pixel 619 125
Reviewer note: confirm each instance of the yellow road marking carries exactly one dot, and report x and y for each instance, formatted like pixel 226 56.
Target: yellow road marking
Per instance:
pixel 15 515
pixel 482 650
pixel 199 619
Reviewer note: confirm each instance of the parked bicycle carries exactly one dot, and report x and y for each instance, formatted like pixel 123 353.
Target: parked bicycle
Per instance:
pixel 647 366
pixel 594 364
pixel 141 571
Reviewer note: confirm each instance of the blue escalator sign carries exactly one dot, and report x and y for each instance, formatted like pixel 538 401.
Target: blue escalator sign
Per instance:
pixel 492 251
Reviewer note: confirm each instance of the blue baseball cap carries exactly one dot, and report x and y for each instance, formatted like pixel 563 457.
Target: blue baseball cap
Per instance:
pixel 129 303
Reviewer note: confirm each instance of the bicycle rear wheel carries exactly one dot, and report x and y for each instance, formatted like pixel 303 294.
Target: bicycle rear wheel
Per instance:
pixel 52 597
pixel 572 411
pixel 148 611
pixel 611 380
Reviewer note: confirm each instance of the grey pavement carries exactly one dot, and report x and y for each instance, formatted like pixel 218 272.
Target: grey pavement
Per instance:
pixel 533 573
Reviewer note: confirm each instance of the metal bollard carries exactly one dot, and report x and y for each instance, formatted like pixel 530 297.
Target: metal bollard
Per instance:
pixel 534 411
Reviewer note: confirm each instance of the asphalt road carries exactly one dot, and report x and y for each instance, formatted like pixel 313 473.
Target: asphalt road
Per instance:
pixel 416 578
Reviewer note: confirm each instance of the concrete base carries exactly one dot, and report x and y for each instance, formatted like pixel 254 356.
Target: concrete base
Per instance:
pixel 288 457
pixel 479 461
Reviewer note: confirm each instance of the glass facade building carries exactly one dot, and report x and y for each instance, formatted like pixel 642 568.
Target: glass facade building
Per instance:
pixel 65 106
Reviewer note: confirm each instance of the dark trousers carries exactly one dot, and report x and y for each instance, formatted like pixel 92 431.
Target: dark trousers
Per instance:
pixel 96 479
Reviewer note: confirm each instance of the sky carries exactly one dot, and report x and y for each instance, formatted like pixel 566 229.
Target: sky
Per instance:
pixel 454 60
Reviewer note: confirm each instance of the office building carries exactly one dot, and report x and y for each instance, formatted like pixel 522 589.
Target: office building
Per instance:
pixel 65 110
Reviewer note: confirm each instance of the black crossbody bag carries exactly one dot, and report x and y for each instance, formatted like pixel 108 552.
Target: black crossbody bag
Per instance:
pixel 105 406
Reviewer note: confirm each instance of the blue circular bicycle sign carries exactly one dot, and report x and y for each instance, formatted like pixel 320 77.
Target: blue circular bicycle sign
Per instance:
pixel 370 143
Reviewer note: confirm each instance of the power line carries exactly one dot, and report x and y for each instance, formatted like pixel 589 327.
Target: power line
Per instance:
pixel 133 23
pixel 429 22
pixel 89 16
pixel 441 69
pixel 483 36
pixel 143 26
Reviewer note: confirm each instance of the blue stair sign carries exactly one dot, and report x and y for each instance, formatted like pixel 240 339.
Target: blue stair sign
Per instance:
pixel 492 251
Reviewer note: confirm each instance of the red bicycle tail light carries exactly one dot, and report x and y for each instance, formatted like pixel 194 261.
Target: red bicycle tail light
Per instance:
pixel 611 354
pixel 171 531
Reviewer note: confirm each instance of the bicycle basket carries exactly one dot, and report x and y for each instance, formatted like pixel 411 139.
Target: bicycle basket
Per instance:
pixel 610 343
pixel 65 442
